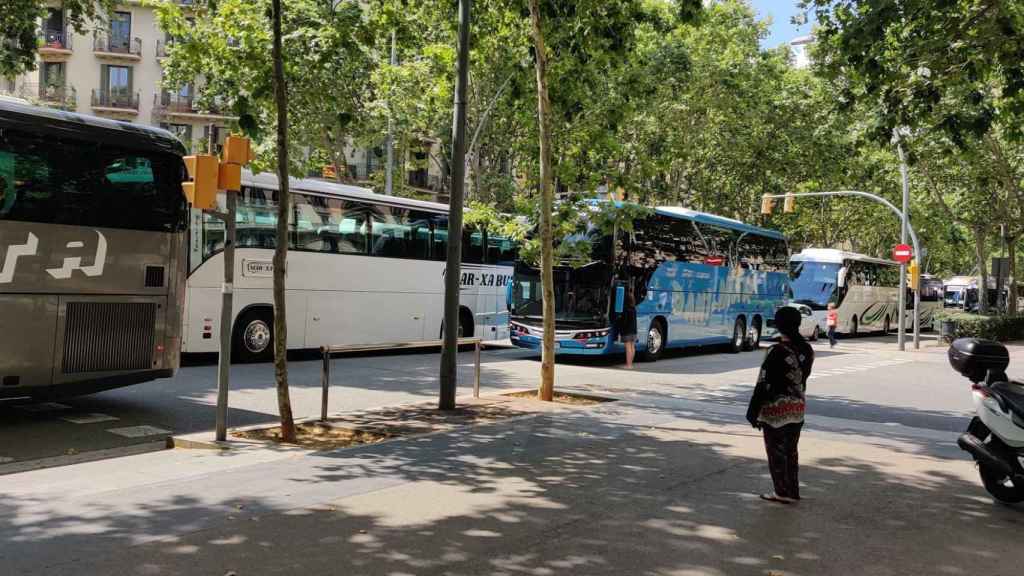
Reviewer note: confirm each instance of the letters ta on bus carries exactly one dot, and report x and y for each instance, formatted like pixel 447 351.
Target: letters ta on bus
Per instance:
pixel 696 278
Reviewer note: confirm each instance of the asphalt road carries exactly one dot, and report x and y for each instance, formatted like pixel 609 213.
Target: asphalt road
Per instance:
pixel 864 380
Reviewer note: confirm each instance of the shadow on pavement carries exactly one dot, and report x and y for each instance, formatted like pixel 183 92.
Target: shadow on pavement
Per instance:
pixel 563 494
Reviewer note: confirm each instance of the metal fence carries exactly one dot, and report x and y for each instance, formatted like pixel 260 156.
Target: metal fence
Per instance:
pixel 328 351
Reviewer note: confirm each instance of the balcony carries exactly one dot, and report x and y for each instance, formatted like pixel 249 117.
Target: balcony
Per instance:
pixel 169 107
pixel 50 95
pixel 120 49
pixel 117 102
pixel 54 45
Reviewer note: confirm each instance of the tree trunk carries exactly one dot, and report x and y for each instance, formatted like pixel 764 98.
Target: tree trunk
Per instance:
pixel 547 200
pixel 1011 282
pixel 980 237
pixel 453 273
pixel 284 404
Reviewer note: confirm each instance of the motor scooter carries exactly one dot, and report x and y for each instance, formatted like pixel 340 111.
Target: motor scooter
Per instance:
pixel 995 436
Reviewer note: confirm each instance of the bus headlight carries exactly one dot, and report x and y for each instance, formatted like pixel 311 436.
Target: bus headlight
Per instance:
pixel 590 335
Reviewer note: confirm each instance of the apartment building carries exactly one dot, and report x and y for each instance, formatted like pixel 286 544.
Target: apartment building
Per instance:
pixel 115 73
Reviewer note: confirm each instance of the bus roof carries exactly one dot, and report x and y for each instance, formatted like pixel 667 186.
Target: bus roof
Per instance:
pixel 327 188
pixel 713 219
pixel 48 121
pixel 836 256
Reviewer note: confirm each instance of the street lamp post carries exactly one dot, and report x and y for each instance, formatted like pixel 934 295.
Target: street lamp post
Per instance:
pixel 899 213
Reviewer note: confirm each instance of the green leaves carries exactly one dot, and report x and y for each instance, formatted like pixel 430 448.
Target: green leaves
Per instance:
pixel 20 32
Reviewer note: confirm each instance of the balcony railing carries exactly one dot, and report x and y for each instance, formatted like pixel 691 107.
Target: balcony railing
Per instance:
pixel 54 40
pixel 115 99
pixel 52 95
pixel 167 103
pixel 120 46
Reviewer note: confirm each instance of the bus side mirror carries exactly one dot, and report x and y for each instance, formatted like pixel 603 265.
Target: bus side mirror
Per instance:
pixel 841 277
pixel 620 299
pixel 508 296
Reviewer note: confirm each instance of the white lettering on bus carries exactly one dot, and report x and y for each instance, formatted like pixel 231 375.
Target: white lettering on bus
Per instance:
pixel 75 262
pixel 15 251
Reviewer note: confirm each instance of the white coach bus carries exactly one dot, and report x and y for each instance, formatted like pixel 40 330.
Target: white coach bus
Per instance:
pixel 865 290
pixel 363 268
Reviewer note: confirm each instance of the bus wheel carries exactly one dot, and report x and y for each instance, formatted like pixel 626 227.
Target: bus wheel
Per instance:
pixel 754 337
pixel 739 331
pixel 254 337
pixel 655 342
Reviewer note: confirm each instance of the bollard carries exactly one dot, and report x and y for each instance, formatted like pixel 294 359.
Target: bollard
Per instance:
pixel 476 381
pixel 325 382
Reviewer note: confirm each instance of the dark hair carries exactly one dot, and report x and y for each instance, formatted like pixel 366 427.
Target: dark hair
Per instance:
pixel 787 322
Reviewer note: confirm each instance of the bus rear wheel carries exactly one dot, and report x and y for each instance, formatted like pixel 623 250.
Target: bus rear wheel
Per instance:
pixel 253 337
pixel 655 342
pixel 739 331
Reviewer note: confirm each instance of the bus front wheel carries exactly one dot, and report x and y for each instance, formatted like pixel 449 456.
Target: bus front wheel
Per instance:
pixel 253 339
pixel 655 342
pixel 754 337
pixel 739 332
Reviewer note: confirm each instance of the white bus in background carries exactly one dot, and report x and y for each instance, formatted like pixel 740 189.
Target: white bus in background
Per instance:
pixel 865 290
pixel 363 268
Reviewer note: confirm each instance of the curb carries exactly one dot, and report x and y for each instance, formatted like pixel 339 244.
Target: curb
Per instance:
pixel 90 456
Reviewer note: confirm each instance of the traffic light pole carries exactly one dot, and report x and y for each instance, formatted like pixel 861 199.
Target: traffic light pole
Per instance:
pixel 908 229
pixel 226 309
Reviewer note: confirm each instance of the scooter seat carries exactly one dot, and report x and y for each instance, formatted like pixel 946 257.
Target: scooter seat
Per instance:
pixel 1010 396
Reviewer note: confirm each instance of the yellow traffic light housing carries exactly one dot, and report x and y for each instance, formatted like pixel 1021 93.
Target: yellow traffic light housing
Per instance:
pixel 789 205
pixel 203 173
pixel 767 204
pixel 237 150
pixel 229 177
pixel 914 275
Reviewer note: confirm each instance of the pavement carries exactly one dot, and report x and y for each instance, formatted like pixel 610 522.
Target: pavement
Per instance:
pixel 664 482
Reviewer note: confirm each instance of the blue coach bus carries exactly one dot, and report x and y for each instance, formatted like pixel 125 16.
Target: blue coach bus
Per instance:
pixel 698 279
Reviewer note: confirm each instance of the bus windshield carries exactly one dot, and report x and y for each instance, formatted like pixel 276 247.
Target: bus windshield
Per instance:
pixel 581 295
pixel 814 283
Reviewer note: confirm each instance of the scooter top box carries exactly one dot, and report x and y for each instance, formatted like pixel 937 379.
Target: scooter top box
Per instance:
pixel 973 357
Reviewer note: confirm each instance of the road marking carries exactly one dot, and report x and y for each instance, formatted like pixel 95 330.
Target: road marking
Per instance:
pixel 91 418
pixel 138 431
pixel 43 407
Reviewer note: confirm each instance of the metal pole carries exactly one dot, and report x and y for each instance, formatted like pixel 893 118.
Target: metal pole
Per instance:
pixel 325 383
pixel 226 316
pixel 449 367
pixel 476 383
pixel 903 240
pixel 389 144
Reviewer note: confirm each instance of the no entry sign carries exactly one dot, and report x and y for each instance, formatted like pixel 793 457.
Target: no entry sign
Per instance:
pixel 902 253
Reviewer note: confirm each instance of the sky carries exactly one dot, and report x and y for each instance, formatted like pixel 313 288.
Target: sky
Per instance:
pixel 781 29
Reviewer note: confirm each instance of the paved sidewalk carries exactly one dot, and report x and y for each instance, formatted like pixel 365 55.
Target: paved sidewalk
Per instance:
pixel 649 486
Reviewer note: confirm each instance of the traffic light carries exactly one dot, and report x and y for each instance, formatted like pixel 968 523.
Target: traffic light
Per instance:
pixel 789 205
pixel 914 275
pixel 203 172
pixel 767 204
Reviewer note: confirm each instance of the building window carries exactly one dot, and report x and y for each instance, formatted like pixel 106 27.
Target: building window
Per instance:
pixel 182 131
pixel 119 80
pixel 52 75
pixel 120 31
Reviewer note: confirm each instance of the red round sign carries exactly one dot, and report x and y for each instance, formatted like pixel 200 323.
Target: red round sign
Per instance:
pixel 902 253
